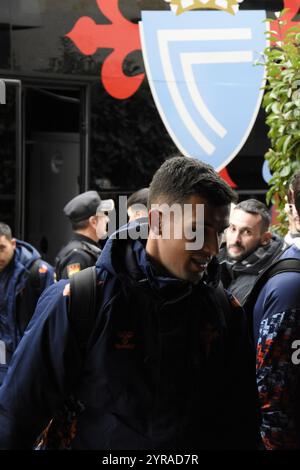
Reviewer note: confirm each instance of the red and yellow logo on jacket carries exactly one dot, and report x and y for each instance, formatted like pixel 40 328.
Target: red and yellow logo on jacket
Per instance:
pixel 73 268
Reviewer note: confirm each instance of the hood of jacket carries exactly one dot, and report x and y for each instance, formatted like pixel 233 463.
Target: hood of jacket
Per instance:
pixel 25 254
pixel 126 258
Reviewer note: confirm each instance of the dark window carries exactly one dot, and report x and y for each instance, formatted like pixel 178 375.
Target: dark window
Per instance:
pixel 8 158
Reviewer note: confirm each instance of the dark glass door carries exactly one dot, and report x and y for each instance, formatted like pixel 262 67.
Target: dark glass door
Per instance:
pixel 11 157
pixel 54 158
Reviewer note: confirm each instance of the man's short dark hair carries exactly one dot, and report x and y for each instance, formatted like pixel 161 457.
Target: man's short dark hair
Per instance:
pixel 5 231
pixel 253 206
pixel 295 184
pixel 80 225
pixel 181 177
pixel 139 197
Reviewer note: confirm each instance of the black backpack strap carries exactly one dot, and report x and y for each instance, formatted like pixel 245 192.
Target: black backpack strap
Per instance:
pixel 24 307
pixel 286 265
pixel 84 298
pixel 83 308
pixel 34 276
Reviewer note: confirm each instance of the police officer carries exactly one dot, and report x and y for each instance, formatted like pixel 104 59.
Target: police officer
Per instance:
pixel 87 214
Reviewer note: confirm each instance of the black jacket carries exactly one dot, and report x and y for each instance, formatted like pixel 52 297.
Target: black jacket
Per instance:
pixel 80 253
pixel 239 277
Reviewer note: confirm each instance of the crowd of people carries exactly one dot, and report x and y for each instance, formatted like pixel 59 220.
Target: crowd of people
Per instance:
pixel 145 344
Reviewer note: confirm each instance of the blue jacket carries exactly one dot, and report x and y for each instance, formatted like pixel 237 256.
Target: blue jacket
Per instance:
pixel 276 319
pixel 164 368
pixel 19 295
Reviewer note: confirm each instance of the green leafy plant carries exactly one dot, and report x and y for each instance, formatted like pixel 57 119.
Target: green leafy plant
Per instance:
pixel 282 106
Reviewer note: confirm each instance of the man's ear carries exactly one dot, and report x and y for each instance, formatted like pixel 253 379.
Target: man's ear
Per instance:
pixel 141 213
pixel 266 238
pixel 93 221
pixel 14 243
pixel 155 222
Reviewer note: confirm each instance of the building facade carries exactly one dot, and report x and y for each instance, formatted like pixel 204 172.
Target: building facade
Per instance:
pixel 79 113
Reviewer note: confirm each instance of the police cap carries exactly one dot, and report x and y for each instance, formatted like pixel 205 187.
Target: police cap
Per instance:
pixel 84 206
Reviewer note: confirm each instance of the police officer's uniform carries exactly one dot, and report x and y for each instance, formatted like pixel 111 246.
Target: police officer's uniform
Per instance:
pixel 81 251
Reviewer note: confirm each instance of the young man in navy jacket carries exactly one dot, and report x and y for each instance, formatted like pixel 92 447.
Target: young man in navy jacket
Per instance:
pixel 23 277
pixel 168 364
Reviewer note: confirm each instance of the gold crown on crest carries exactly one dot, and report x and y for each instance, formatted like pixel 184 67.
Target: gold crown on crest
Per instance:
pixel 180 6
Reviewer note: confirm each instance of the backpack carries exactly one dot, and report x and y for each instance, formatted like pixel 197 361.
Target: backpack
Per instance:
pixel 286 265
pixel 34 281
pixel 84 300
pixel 83 307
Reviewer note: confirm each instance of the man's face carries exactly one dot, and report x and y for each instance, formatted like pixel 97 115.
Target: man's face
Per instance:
pixel 136 212
pixel 101 226
pixel 172 253
pixel 243 235
pixel 7 250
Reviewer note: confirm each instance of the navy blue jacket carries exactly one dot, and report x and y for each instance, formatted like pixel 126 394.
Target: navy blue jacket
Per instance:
pixel 19 296
pixel 276 320
pixel 164 369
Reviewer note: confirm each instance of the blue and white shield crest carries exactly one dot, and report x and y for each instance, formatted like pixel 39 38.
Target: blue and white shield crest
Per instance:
pixel 200 67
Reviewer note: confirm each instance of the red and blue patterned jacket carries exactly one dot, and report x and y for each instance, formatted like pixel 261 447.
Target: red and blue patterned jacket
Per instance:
pixel 276 319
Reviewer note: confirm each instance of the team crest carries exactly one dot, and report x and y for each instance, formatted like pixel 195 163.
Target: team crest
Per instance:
pixel 202 74
pixel 180 6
